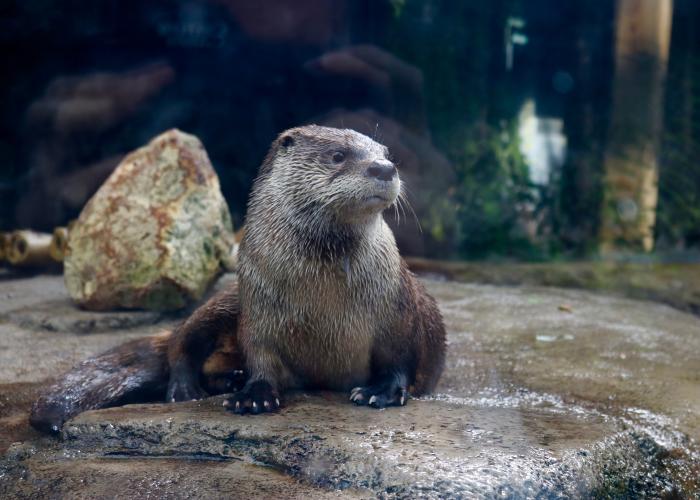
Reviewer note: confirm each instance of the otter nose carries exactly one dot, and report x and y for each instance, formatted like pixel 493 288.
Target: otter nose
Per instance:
pixel 384 171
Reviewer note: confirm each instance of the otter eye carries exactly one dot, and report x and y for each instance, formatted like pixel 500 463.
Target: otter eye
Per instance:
pixel 338 157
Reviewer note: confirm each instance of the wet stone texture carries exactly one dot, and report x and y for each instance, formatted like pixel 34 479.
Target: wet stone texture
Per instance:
pixel 155 234
pixel 547 392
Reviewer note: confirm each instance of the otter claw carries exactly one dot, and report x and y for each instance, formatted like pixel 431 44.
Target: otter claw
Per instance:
pixel 184 389
pixel 356 394
pixel 380 395
pixel 254 398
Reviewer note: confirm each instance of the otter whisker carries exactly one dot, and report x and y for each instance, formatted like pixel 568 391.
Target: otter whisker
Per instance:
pixel 405 200
pixel 395 206
pixel 399 209
pixel 399 200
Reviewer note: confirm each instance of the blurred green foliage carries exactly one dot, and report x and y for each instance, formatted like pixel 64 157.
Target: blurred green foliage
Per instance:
pixel 472 109
pixel 472 104
pixel 493 194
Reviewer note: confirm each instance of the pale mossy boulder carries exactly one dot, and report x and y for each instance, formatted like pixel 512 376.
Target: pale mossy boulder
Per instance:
pixel 155 234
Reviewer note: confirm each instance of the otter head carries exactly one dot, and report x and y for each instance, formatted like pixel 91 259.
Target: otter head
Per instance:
pixel 334 174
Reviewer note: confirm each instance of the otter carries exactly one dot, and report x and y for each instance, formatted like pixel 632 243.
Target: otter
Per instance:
pixel 322 300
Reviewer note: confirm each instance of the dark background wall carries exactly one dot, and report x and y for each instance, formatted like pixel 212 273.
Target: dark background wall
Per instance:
pixel 85 82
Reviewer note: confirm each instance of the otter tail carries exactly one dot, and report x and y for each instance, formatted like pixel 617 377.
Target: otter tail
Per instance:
pixel 134 372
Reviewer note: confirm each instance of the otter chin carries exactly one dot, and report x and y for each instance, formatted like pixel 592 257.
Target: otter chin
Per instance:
pixel 322 300
pixel 380 202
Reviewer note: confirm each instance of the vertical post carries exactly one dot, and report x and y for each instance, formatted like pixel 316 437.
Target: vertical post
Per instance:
pixel 630 181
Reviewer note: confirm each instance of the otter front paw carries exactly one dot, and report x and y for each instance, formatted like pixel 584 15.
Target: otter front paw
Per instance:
pixel 225 384
pixel 380 395
pixel 256 397
pixel 184 388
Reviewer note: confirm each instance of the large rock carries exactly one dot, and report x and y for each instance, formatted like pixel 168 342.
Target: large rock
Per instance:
pixel 155 234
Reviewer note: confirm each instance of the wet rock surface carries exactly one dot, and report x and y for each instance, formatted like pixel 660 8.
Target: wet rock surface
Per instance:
pixel 52 310
pixel 548 392
pixel 674 283
pixel 108 478
pixel 42 334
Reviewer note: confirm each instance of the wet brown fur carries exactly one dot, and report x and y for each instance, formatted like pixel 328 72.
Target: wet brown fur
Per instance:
pixel 323 300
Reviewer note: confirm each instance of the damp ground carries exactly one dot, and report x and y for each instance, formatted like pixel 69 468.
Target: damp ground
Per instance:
pixel 547 391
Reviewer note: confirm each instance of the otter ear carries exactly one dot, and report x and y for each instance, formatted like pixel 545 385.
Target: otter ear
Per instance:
pixel 287 141
pixel 281 144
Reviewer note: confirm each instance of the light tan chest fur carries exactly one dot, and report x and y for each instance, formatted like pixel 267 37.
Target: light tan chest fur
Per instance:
pixel 322 321
pixel 331 330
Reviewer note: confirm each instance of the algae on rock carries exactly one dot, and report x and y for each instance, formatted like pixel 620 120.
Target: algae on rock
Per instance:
pixel 155 234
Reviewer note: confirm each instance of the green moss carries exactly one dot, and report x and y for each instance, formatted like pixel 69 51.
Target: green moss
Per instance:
pixel 165 296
